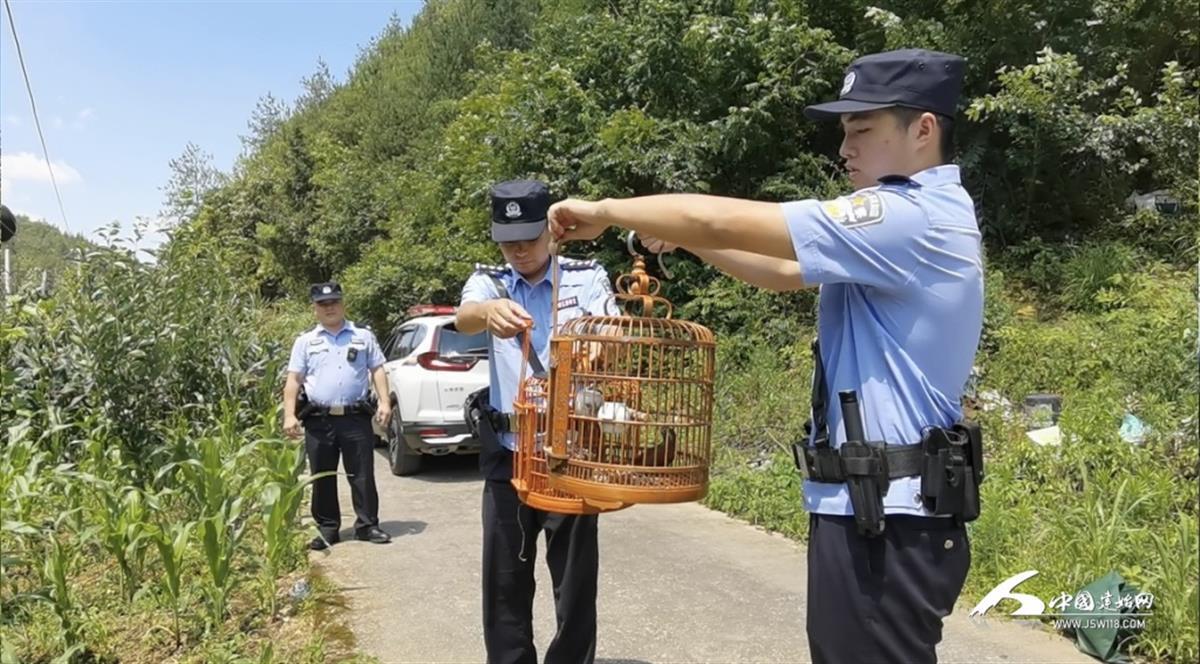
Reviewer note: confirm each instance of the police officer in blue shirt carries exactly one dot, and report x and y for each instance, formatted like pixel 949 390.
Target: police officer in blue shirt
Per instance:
pixel 508 302
pixel 900 313
pixel 333 362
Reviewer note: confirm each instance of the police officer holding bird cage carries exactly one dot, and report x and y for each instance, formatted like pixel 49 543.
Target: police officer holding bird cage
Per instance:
pixel 332 363
pixel 508 302
pixel 891 469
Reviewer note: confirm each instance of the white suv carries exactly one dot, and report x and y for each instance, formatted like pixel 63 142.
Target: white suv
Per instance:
pixel 431 370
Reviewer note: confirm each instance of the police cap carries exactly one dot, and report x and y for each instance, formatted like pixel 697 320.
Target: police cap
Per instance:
pixel 325 292
pixel 519 210
pixel 913 78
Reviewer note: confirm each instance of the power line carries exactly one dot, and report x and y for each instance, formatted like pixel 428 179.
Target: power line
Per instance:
pixel 36 121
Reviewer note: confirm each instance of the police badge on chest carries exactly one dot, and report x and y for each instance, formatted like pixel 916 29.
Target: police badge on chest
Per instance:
pixel 352 352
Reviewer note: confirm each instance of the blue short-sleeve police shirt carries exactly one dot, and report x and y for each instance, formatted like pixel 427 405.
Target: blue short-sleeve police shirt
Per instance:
pixel 900 310
pixel 583 290
pixel 323 360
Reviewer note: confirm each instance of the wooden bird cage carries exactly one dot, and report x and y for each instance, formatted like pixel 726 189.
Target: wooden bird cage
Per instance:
pixel 631 401
pixel 625 415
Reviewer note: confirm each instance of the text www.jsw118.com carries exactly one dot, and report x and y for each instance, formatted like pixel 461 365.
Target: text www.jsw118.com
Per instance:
pixel 1099 623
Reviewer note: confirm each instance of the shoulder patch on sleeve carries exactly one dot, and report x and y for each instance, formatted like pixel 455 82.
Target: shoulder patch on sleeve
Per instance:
pixel 862 208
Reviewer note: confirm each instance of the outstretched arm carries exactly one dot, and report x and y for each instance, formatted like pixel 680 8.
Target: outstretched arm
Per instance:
pixel 692 220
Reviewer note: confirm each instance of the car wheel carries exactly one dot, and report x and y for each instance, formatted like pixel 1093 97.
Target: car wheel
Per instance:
pixel 402 460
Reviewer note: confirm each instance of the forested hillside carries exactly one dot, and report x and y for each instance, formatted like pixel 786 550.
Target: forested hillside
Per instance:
pixel 41 247
pixel 380 179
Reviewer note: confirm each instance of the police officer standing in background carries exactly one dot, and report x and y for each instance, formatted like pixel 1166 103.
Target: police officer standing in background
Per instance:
pixel 332 362
pixel 901 305
pixel 508 302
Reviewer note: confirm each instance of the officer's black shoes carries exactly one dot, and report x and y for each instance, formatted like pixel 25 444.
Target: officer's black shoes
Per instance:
pixel 319 543
pixel 373 535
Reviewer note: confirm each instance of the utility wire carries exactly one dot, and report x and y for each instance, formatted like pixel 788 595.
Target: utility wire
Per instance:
pixel 36 121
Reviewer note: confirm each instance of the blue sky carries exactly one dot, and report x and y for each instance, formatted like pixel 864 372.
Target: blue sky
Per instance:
pixel 122 87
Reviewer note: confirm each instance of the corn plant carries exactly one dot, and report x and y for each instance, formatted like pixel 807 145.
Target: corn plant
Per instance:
pixel 222 535
pixel 213 480
pixel 122 520
pixel 172 544
pixel 25 482
pixel 56 571
pixel 203 477
pixel 281 465
pixel 13 538
pixel 21 473
pixel 20 486
pixel 279 507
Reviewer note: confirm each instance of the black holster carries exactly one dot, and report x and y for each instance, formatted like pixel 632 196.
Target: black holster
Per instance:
pixel 865 466
pixel 953 470
pixel 495 461
pixel 304 407
pixel 501 422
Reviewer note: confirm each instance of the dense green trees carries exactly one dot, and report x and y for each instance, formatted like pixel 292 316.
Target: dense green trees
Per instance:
pixel 381 179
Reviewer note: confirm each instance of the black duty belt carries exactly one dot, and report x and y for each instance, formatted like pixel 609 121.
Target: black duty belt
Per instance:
pixel 827 465
pixel 360 408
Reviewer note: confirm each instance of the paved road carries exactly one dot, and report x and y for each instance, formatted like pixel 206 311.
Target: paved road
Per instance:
pixel 679 583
